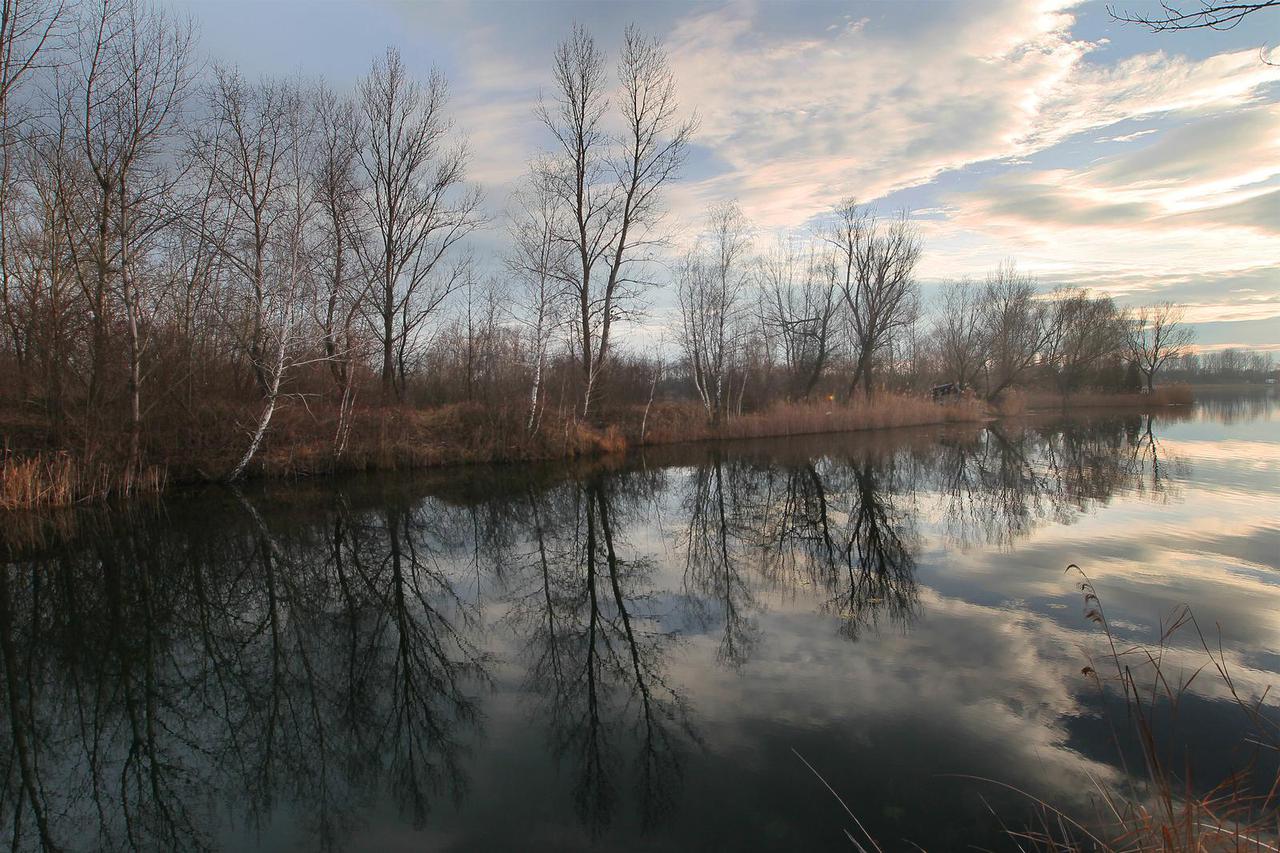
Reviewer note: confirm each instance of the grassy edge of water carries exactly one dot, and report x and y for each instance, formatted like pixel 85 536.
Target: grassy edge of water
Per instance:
pixel 302 442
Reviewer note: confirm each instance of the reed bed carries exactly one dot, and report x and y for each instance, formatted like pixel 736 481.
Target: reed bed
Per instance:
pixel 58 478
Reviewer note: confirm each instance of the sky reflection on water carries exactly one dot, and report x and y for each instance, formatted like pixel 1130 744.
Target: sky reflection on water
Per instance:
pixel 626 655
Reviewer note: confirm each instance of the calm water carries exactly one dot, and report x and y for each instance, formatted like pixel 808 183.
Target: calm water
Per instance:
pixel 631 656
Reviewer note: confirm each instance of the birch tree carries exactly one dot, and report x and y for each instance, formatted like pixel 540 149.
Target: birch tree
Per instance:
pixel 539 264
pixel 246 146
pixel 711 286
pixel 284 297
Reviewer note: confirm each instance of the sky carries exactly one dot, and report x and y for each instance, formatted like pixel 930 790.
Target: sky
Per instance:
pixel 1092 152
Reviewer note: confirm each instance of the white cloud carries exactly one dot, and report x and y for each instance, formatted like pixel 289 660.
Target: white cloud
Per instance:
pixel 804 120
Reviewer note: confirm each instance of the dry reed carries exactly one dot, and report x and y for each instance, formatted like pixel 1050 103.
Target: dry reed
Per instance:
pixel 55 479
pixel 1159 807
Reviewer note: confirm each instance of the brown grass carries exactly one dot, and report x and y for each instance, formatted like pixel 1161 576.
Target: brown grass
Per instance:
pixel 1158 808
pixel 60 479
pixel 300 441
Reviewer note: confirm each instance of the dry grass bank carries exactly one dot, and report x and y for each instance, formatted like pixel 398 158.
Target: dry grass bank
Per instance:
pixel 50 479
pixel 301 441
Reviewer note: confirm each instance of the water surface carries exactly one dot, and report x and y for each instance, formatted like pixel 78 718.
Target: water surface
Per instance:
pixel 633 655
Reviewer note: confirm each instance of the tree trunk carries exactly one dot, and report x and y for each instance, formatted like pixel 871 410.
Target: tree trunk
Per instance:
pixel 264 420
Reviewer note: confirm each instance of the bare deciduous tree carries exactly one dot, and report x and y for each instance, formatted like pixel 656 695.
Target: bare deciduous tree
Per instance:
pixel 875 265
pixel 799 304
pixel 1015 325
pixel 710 288
pixel 27 28
pixel 539 262
pixel 960 334
pixel 417 207
pixel 1204 14
pixel 287 254
pixel 1083 329
pixel 343 292
pixel 245 147
pixel 1154 335
pixel 122 96
pixel 610 188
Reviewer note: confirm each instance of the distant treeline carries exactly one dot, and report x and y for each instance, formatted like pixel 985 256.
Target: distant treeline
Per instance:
pixel 1223 366
pixel 192 260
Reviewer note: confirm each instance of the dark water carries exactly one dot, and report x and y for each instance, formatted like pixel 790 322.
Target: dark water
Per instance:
pixel 632 656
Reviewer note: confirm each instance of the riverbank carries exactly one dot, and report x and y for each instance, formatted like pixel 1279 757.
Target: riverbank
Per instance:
pixel 301 442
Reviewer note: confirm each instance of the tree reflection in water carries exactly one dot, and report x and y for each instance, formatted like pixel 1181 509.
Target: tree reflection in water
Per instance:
pixel 835 526
pixel 185 675
pixel 171 668
pixel 597 653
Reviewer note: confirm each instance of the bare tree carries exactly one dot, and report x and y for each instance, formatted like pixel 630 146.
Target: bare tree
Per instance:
pixel 284 297
pixel 875 266
pixel 609 188
pixel 1154 335
pixel 539 262
pixel 246 146
pixel 1083 329
pixel 343 292
pixel 27 28
pixel 711 285
pixel 1015 325
pixel 123 93
pixel 417 207
pixel 799 304
pixel 959 332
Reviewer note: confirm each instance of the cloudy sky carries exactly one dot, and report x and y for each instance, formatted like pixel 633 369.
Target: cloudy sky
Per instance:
pixel 1095 153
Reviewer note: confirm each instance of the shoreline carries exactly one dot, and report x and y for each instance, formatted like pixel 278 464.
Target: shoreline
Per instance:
pixel 407 439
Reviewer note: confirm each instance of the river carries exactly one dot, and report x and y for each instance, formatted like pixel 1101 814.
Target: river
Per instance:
pixel 664 652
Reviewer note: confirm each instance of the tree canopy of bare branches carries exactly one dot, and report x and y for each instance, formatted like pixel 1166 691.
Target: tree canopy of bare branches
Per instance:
pixel 609 187
pixel 710 291
pixel 875 270
pixel 1156 335
pixel 1203 14
pixel 417 207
